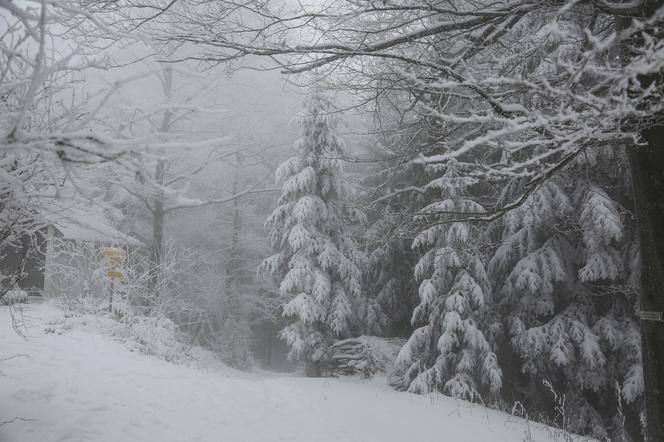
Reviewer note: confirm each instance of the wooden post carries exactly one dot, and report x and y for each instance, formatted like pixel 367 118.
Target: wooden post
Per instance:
pixel 114 258
pixel 110 301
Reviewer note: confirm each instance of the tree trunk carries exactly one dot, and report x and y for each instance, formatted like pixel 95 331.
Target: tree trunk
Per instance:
pixel 158 215
pixel 236 329
pixel 158 212
pixel 232 266
pixel 647 164
pixel 647 169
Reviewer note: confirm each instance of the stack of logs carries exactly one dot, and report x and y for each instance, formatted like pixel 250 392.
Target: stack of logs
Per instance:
pixel 364 356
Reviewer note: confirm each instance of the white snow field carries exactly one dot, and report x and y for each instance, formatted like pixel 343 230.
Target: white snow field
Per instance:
pixel 83 386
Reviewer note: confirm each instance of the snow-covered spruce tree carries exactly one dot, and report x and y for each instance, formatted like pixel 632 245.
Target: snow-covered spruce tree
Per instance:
pixel 448 351
pixel 317 262
pixel 398 190
pixel 565 273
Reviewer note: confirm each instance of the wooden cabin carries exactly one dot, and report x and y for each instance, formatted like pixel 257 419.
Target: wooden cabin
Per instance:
pixel 35 253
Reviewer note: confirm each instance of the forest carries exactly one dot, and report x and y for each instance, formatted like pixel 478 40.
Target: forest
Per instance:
pixel 459 198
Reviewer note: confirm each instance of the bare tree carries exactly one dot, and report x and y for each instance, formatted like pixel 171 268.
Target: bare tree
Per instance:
pixel 47 130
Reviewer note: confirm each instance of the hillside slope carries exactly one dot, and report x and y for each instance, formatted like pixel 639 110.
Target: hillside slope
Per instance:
pixel 83 386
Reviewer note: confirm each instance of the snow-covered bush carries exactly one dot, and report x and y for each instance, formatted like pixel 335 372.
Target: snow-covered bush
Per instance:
pixel 146 323
pixel 76 272
pixel 14 296
pixel 156 336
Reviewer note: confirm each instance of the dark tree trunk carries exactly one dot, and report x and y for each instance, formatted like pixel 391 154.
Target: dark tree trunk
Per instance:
pixel 647 164
pixel 647 168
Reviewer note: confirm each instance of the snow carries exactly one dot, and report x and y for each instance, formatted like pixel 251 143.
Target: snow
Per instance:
pixel 84 223
pixel 83 386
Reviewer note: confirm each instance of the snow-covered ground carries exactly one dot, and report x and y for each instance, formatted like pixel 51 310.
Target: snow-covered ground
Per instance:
pixel 83 386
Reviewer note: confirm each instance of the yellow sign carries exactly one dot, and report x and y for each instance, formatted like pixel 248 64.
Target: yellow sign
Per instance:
pixel 115 274
pixel 114 253
pixel 116 260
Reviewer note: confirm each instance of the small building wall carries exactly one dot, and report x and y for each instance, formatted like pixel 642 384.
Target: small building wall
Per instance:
pixel 27 258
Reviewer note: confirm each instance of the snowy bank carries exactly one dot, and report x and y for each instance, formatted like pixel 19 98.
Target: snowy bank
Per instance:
pixel 81 385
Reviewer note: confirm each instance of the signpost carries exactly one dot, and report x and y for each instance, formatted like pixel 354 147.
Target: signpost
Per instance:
pixel 115 258
pixel 651 316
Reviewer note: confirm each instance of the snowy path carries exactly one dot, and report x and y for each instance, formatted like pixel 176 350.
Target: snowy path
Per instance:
pixel 82 386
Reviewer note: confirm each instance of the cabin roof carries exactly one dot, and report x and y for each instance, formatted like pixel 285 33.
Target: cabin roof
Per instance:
pixel 85 223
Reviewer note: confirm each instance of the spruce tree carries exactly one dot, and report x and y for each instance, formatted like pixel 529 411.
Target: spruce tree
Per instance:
pixel 317 261
pixel 448 351
pixel 565 274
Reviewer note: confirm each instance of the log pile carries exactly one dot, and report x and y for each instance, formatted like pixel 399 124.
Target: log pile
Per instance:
pixel 364 356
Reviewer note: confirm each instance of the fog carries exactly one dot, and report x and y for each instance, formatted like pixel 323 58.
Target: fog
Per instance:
pixel 340 220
